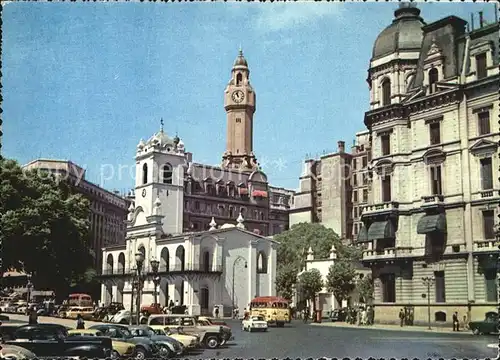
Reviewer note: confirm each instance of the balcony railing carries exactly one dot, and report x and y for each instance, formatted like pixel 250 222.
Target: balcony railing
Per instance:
pixel 392 252
pixel 432 200
pixel 379 208
pixel 485 246
pixel 166 269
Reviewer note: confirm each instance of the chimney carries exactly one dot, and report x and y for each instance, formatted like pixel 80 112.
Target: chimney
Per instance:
pixel 481 20
pixel 341 146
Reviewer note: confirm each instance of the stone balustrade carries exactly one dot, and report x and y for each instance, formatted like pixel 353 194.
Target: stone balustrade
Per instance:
pixel 391 253
pixel 432 200
pixel 485 246
pixel 379 208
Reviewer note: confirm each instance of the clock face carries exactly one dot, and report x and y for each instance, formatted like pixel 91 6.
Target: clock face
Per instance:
pixel 238 96
pixel 143 192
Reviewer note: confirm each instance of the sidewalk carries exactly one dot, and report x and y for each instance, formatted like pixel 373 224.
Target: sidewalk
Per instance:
pixel 50 320
pixel 388 327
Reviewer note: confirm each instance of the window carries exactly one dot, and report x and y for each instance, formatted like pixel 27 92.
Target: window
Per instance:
pixel 354 179
pixel 355 196
pixel 388 288
pixel 436 180
pixel 386 144
pixel 167 173
pixel 481 71
pixel 355 229
pixel 238 79
pixel 220 210
pixel 145 173
pixel 435 133
pixel 238 120
pixel 440 288
pixel 365 195
pixel 490 283
pixel 386 92
pixel 386 189
pixel 433 79
pixel 355 215
pixel 483 122
pixel 488 224
pixel 196 205
pixel 231 212
pixel 354 161
pixel 486 174
pixel 365 161
pixel 365 178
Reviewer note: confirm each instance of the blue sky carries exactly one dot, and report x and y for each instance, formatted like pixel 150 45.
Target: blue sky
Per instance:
pixel 86 81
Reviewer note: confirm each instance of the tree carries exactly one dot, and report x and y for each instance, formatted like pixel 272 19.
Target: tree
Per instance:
pixel 286 279
pixel 310 283
pixel 341 279
pixel 294 245
pixel 44 227
pixel 365 288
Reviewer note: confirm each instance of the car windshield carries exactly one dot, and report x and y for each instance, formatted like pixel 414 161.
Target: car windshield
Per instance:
pixel 125 332
pixel 144 331
pixel 257 318
pixel 159 332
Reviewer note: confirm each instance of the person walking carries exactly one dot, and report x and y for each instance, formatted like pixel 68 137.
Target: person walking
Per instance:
pixel 32 317
pixel 401 317
pixel 80 324
pixel 455 322
pixel 216 312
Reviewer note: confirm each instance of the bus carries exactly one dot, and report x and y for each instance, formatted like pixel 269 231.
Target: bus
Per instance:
pixel 274 309
pixel 83 300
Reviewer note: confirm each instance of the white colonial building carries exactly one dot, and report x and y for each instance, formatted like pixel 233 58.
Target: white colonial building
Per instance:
pixel 198 269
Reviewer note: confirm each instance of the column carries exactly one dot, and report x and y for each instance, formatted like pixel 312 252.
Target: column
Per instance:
pixel 271 268
pixel 219 265
pixel 252 270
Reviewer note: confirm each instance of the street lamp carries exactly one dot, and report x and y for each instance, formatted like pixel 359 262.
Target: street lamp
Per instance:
pixel 156 279
pixel 29 286
pixel 234 270
pixel 139 261
pixel 428 281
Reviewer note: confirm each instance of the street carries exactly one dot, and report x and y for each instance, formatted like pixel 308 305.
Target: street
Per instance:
pixel 298 340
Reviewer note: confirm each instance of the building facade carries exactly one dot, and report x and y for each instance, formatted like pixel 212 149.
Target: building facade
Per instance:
pixel 433 105
pixel 333 187
pixel 198 192
pixel 108 209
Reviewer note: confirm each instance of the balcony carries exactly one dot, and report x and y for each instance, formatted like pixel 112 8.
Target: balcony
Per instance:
pixel 392 253
pixel 485 246
pixel 432 201
pixel 164 270
pixel 492 194
pixel 384 208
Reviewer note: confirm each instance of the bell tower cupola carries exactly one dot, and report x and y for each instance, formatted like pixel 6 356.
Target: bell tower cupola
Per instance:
pixel 239 102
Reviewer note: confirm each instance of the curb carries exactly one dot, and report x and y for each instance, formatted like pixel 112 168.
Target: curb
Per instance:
pixel 406 329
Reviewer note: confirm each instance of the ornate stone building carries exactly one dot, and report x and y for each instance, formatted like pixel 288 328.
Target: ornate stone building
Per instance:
pixel 199 192
pixel 433 106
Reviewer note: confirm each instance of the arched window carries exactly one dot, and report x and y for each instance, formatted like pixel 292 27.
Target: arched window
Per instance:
pixel 433 78
pixel 239 79
pixel 261 263
pixel 440 316
pixel 145 173
pixel 262 216
pixel 231 212
pixel 386 92
pixel 167 173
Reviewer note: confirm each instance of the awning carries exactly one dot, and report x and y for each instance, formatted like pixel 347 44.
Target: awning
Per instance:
pixel 381 230
pixel 431 223
pixel 362 235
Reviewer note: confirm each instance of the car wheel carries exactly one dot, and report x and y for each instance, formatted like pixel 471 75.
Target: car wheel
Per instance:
pixel 13 352
pixel 223 342
pixel 140 354
pixel 476 332
pixel 212 342
pixel 115 355
pixel 165 352
pixel 123 321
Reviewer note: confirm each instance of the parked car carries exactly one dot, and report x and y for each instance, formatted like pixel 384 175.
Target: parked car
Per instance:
pixel 226 330
pixel 211 336
pixel 488 326
pixel 338 315
pixel 254 323
pixel 15 352
pixel 123 317
pixel 120 348
pixel 170 346
pixel 190 341
pixel 144 348
pixel 52 340
pixel 152 309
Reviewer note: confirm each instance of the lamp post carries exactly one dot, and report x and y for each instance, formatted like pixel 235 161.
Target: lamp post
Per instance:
pixel 156 279
pixel 139 261
pixel 428 281
pixel 29 286
pixel 234 271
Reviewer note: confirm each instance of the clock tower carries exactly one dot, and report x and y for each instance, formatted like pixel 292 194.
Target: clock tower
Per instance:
pixel 239 102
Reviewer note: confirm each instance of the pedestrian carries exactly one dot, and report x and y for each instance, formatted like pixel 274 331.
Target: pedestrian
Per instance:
pixel 32 317
pixel 401 317
pixel 455 321
pixel 171 304
pixel 80 324
pixel 364 317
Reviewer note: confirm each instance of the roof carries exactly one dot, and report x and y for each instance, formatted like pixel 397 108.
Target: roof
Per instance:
pixel 405 33
pixel 269 298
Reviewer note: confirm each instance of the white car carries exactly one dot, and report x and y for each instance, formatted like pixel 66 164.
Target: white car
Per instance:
pixel 254 323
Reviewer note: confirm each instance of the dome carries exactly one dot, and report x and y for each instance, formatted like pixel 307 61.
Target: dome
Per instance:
pixel 160 138
pixel 240 60
pixel 405 32
pixel 227 226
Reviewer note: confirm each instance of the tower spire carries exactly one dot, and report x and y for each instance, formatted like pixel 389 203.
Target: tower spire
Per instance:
pixel 161 124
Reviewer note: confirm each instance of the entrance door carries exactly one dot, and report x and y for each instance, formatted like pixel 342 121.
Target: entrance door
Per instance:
pixel 204 297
